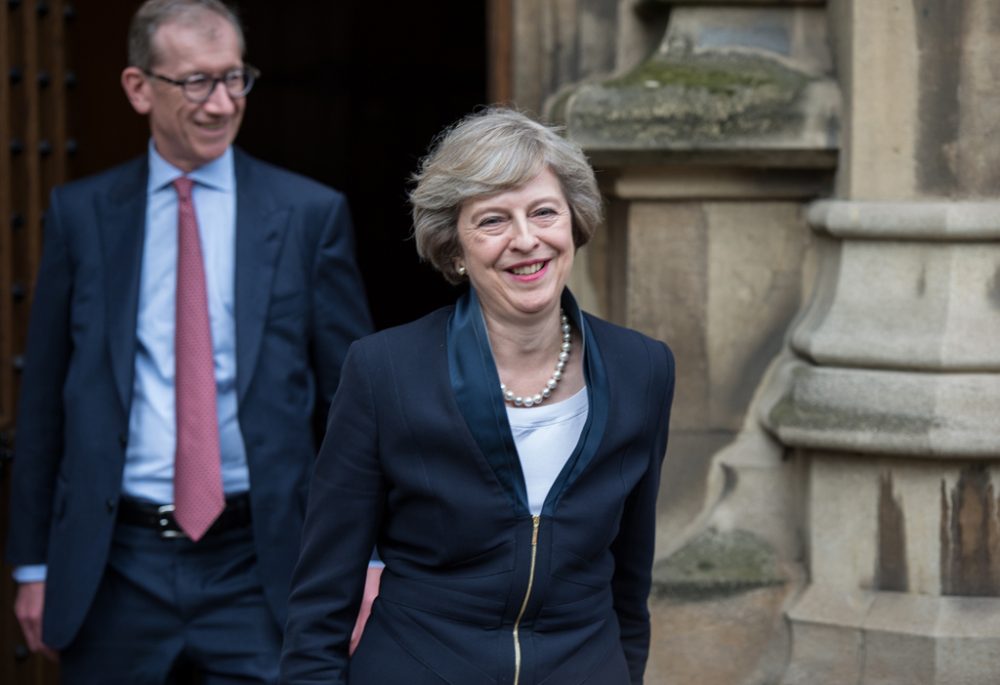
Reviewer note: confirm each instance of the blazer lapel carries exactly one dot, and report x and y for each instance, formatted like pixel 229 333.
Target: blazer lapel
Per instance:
pixel 259 225
pixel 475 382
pixel 598 398
pixel 122 221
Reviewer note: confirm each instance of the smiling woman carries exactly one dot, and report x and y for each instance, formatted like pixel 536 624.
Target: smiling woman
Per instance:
pixel 517 250
pixel 516 529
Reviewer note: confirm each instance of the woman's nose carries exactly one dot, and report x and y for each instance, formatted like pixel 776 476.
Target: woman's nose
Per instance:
pixel 524 233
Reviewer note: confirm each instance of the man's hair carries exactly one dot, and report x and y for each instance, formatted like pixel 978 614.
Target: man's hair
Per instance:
pixel 155 13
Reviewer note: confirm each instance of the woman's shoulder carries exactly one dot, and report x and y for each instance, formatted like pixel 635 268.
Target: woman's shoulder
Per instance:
pixel 612 338
pixel 422 331
pixel 629 354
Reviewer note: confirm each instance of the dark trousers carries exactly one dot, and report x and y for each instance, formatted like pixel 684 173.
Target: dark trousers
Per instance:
pixel 171 611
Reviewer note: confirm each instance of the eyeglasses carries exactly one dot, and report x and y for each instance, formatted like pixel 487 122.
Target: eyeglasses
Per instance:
pixel 198 88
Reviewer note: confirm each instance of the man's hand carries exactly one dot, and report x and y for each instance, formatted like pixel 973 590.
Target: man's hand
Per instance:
pixel 372 580
pixel 28 605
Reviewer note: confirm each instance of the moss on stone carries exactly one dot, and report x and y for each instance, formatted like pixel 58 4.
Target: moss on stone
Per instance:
pixel 717 564
pixel 714 74
pixel 691 101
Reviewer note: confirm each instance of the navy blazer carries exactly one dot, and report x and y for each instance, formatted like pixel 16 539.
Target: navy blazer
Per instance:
pixel 299 303
pixel 419 460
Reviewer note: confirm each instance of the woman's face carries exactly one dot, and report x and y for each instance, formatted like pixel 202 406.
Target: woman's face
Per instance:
pixel 517 248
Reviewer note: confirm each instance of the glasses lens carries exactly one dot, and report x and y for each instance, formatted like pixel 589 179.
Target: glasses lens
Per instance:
pixel 197 88
pixel 238 83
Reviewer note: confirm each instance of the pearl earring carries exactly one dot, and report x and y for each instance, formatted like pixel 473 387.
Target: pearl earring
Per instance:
pixel 460 269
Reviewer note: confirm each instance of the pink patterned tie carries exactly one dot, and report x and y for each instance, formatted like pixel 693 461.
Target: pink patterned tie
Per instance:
pixel 198 498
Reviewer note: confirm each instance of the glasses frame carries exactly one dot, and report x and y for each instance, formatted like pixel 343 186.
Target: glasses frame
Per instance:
pixel 250 75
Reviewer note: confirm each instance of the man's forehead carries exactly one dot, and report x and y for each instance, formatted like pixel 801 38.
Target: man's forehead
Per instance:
pixel 193 35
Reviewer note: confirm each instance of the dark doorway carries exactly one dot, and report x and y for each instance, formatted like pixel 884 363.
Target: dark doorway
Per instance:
pixel 351 94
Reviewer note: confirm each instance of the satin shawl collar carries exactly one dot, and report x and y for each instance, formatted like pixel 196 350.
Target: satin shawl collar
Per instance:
pixel 476 384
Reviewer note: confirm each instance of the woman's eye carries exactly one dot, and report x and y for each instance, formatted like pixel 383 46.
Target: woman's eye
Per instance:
pixel 490 221
pixel 545 212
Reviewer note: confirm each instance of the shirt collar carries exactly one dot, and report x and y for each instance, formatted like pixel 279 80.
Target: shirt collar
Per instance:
pixel 219 173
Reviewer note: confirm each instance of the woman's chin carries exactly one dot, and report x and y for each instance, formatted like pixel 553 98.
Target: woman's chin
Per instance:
pixel 522 308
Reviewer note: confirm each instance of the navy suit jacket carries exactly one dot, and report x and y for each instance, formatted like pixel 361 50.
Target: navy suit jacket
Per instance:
pixel 299 304
pixel 419 460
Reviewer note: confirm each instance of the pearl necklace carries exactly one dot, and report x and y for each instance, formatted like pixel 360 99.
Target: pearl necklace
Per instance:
pixel 550 386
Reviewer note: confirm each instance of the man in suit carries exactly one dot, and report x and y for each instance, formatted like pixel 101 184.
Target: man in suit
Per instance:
pixel 192 311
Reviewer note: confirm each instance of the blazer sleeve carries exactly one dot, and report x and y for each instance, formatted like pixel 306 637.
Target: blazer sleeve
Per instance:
pixel 339 306
pixel 40 426
pixel 633 549
pixel 346 501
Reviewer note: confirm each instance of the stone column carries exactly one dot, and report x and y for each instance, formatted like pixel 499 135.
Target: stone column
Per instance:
pixel 889 397
pixel 708 150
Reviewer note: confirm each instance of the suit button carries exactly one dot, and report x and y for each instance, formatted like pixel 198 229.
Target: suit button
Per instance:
pixel 110 504
pixel 123 440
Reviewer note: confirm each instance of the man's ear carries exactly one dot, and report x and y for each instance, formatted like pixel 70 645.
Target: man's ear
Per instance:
pixel 136 87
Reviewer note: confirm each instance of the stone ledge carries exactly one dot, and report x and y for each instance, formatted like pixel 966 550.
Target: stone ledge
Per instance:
pixel 873 638
pixel 921 220
pixel 717 564
pixel 687 182
pixel 733 3
pixel 936 415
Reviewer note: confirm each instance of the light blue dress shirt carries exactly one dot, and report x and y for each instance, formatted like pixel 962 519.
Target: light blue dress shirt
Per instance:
pixel 149 457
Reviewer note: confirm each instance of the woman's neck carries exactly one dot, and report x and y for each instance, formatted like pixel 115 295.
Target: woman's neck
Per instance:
pixel 526 353
pixel 518 342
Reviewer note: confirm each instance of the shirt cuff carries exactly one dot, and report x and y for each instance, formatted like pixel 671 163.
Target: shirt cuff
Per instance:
pixel 33 573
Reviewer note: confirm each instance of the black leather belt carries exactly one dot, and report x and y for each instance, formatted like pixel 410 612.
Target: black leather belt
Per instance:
pixel 159 517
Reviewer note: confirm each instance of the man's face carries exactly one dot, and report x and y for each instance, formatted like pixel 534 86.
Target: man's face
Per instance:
pixel 186 134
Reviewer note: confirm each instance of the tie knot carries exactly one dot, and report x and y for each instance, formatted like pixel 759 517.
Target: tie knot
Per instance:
pixel 183 186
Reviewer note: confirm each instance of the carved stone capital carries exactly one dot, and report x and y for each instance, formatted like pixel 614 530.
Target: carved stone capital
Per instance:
pixel 726 85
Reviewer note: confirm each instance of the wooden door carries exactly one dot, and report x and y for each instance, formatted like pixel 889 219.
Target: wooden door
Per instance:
pixel 386 81
pixel 37 87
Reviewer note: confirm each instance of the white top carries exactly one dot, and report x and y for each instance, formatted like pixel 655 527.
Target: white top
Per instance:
pixel 545 437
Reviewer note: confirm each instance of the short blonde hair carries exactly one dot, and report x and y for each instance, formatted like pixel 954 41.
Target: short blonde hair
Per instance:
pixel 486 153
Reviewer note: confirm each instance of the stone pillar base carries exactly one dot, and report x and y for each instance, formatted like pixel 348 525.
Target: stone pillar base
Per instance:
pixel 890 638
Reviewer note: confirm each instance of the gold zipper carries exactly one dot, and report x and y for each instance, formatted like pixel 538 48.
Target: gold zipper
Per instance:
pixel 535 520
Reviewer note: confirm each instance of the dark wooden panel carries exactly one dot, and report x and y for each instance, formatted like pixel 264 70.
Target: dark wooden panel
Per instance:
pixel 6 226
pixel 8 630
pixel 349 96
pixel 33 130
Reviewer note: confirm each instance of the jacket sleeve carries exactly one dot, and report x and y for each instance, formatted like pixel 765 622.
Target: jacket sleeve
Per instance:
pixel 40 426
pixel 634 547
pixel 346 500
pixel 339 306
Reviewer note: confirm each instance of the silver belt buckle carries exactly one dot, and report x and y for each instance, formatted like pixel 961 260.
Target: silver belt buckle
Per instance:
pixel 163 522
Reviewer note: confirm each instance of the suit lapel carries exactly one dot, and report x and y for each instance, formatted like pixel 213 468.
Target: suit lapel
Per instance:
pixel 259 225
pixel 475 383
pixel 122 221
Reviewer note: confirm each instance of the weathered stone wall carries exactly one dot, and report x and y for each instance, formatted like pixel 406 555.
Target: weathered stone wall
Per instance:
pixel 890 392
pixel 717 126
pixel 830 510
